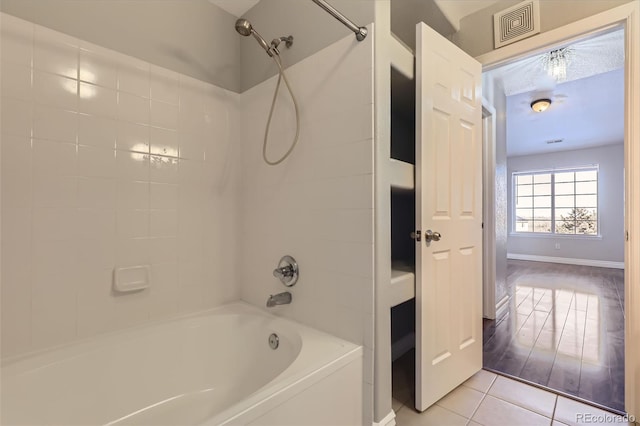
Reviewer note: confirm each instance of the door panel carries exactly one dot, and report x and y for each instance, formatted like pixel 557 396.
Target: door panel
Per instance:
pixel 448 201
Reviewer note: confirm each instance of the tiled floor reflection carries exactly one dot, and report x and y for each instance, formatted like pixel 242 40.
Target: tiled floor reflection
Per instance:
pixel 564 329
pixel 491 400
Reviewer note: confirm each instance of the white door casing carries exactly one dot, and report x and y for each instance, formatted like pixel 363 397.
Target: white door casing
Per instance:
pixel 448 201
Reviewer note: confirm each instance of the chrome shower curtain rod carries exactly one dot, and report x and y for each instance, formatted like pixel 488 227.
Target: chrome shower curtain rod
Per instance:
pixel 361 32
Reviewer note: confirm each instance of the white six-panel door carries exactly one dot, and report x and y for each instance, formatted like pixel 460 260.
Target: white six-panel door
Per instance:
pixel 448 203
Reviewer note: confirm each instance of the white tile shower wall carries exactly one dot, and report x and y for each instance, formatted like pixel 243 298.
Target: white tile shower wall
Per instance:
pixel 318 204
pixel 109 161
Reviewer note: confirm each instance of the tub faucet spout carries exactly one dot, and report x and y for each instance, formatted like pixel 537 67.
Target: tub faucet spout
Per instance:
pixel 279 299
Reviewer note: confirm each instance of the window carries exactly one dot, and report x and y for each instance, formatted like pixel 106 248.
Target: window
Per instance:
pixel 556 202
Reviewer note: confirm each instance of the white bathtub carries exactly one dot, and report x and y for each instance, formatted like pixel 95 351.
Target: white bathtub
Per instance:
pixel 214 368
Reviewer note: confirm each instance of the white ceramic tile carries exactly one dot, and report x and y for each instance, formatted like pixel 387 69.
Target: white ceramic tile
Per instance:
pixel 96 193
pixel 133 77
pixel 481 381
pixel 95 131
pixel 163 196
pixel 98 69
pixel 16 117
pixel 97 162
pixel 133 109
pixel 54 224
pixel 54 90
pixel 16 81
pixel 16 42
pixel 132 195
pixel 163 142
pixel 16 171
pixel 55 52
pixel 55 191
pixel 496 412
pixel 55 124
pixel 163 250
pixel 53 158
pixel 529 397
pixel 462 400
pixel 164 115
pixel 434 416
pixel 133 223
pixel 96 253
pixel 96 100
pixel 132 251
pixel 163 169
pixel 133 137
pixel 576 413
pixel 132 165
pixel 165 86
pixel 163 223
pixel 192 146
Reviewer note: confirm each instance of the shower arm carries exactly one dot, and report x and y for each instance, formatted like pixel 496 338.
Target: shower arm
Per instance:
pixel 361 32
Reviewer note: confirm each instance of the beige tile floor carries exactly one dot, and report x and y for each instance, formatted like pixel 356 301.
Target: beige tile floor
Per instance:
pixel 491 400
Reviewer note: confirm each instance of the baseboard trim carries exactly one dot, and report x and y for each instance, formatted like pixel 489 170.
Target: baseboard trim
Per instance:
pixel 389 420
pixel 567 260
pixel 502 305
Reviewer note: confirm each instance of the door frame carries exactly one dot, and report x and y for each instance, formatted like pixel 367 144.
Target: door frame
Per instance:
pixel 488 210
pixel 627 16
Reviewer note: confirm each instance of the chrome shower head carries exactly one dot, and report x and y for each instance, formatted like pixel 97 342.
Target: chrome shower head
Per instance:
pixel 244 27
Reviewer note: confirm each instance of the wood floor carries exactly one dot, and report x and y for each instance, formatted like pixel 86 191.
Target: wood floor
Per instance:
pixel 564 329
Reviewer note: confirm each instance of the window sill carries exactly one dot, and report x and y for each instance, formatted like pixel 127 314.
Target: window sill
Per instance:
pixel 563 236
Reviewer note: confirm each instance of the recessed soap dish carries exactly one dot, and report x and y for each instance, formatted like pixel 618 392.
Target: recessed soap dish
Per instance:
pixel 131 278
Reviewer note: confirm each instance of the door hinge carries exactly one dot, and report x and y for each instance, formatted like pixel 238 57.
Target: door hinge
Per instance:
pixel 626 236
pixel 416 235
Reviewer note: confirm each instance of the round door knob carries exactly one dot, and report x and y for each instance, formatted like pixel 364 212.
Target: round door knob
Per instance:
pixel 431 236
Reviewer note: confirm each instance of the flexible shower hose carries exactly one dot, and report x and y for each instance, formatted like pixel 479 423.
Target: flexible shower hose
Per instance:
pixel 281 76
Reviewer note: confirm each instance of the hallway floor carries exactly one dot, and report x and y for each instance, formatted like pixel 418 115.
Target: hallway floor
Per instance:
pixel 564 329
pixel 491 400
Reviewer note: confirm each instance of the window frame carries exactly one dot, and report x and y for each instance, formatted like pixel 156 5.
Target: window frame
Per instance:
pixel 552 172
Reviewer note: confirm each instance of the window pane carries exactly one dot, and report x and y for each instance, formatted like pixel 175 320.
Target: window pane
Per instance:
pixel 524 214
pixel 565 177
pixel 523 202
pixel 586 200
pixel 564 188
pixel 523 226
pixel 542 189
pixel 542 214
pixel 545 178
pixel 587 228
pixel 565 227
pixel 590 175
pixel 524 190
pixel 524 179
pixel 565 201
pixel 542 226
pixel 564 214
pixel 541 201
pixel 586 187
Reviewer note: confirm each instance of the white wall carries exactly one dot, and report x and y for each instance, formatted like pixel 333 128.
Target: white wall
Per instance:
pixel 108 161
pixel 318 204
pixel 193 37
pixel 610 206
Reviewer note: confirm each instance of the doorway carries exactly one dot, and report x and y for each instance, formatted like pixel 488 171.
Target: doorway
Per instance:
pixel 528 279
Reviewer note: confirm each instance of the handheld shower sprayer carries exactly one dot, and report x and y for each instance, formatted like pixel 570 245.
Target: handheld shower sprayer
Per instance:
pixel 244 27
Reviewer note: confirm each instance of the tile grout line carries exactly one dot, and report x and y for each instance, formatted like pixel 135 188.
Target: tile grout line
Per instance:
pixel 555 406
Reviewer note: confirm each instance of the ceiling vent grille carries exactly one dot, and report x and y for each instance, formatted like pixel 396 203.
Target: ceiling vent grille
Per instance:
pixel 516 23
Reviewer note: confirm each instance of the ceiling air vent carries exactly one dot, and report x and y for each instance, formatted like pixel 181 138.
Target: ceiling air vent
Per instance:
pixel 516 23
pixel 555 141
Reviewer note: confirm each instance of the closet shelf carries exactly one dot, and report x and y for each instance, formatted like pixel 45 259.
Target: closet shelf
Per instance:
pixel 402 285
pixel 402 175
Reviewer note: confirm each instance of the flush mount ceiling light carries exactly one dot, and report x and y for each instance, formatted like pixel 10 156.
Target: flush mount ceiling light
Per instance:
pixel 540 105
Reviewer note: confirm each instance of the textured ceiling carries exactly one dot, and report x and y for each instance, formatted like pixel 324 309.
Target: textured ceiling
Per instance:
pixel 586 58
